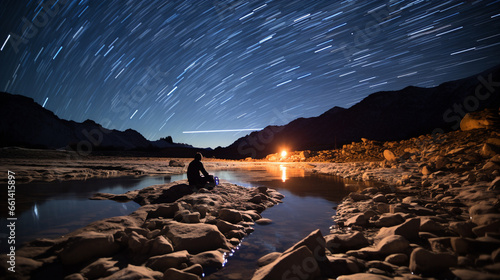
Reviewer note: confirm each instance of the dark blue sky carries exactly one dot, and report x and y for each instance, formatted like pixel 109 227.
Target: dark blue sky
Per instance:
pixel 167 67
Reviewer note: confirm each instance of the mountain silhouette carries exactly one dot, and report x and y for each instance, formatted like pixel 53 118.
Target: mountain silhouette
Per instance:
pixel 27 124
pixel 383 116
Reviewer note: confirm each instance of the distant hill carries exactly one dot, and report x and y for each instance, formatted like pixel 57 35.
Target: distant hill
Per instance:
pixel 384 116
pixel 27 124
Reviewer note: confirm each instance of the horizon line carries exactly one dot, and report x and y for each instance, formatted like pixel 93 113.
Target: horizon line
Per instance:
pixel 222 130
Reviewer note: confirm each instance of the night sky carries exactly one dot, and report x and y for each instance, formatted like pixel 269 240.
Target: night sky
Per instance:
pixel 169 67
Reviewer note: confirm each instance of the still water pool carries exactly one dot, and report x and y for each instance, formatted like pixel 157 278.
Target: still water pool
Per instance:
pixel 53 209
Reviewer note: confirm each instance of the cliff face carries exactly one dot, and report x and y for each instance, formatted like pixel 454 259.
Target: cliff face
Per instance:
pixel 384 116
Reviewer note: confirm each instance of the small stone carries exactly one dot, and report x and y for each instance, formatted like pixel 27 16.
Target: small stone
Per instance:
pixel 389 155
pixel 264 221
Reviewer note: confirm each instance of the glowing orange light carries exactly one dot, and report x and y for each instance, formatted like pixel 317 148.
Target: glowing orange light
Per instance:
pixel 283 154
pixel 283 173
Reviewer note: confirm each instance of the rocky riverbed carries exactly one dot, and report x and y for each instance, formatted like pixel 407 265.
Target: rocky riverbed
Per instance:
pixel 178 233
pixel 435 215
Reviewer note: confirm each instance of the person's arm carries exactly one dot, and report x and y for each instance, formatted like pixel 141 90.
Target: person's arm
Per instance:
pixel 202 169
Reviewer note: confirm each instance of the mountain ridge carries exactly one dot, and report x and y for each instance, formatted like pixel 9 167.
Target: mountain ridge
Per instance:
pixel 23 118
pixel 383 116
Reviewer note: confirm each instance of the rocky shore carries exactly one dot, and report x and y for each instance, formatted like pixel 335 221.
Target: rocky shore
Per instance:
pixel 435 214
pixel 178 233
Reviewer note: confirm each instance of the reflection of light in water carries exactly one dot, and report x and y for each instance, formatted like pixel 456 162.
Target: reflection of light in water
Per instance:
pixel 35 212
pixel 283 172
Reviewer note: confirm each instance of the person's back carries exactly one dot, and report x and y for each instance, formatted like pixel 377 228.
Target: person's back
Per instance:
pixel 193 172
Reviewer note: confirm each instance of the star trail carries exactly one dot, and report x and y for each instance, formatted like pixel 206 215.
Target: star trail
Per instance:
pixel 229 66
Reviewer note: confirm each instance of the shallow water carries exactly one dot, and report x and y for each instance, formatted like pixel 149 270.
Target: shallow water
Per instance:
pixel 53 209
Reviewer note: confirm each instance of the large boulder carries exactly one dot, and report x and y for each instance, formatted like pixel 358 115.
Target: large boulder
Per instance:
pixel 172 260
pixel 364 276
pixel 160 246
pixel 392 244
pixel 230 215
pixel 389 220
pixel 408 229
pixel 176 274
pixel 195 238
pixel 480 120
pixel 209 259
pixel 424 261
pixel 101 268
pixel 299 262
pixel 87 246
pixel 344 242
pixel 132 272
pixel 316 243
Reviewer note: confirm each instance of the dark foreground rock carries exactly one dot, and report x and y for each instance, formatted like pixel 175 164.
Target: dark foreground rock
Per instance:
pixel 178 233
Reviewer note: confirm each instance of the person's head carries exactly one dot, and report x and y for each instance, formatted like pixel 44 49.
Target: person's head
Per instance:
pixel 198 156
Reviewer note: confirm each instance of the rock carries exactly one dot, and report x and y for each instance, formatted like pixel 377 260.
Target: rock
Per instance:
pixel 388 220
pixel 165 211
pixel 423 261
pixel 426 170
pixel 316 243
pixel 101 268
pixel 230 215
pixel 481 245
pixel 89 245
pixel 495 256
pixel 464 229
pixel 390 156
pixel 466 274
pixel 175 163
pixel 344 242
pixel 491 166
pixel 358 196
pixel 264 221
pixel 172 260
pixel 479 120
pixel 195 269
pixel 440 244
pixel 364 276
pixel 294 263
pixel 397 259
pixel 486 219
pixel 379 198
pixel 224 226
pixel 408 230
pixel 136 242
pixel 209 259
pixel 267 259
pixel 75 276
pixel 359 220
pixel 176 274
pixel 195 238
pixel 429 225
pixel 160 246
pixel 489 150
pixel 483 229
pixel 191 218
pixel 392 244
pixel 495 185
pixel 135 272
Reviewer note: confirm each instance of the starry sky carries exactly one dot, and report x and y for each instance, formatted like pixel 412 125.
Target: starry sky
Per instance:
pixel 174 67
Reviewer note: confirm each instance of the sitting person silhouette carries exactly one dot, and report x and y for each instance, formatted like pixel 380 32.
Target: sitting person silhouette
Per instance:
pixel 193 173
